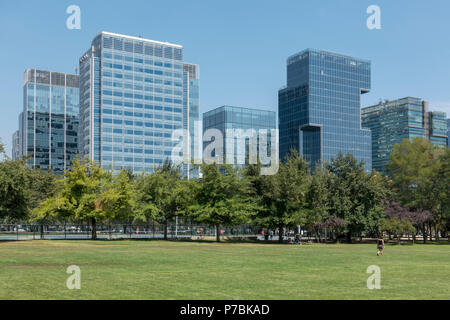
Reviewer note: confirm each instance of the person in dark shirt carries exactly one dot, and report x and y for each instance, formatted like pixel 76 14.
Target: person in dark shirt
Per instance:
pixel 380 245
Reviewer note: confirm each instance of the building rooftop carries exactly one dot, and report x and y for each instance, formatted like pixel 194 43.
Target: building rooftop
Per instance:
pixel 139 39
pixel 218 109
pixel 294 57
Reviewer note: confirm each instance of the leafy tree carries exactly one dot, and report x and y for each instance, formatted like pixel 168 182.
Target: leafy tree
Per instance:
pixel 163 195
pixel 259 187
pixel 14 191
pixel 221 197
pixel 90 193
pixel 43 184
pixel 318 200
pixel 394 210
pixel 412 167
pixel 336 225
pixel 356 195
pixel 283 195
pixel 397 227
pixel 22 188
pixel 440 193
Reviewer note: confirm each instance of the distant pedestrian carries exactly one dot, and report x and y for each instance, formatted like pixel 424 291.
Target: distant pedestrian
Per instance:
pixel 380 245
pixel 270 234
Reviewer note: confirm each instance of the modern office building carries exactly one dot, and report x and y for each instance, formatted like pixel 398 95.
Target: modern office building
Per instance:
pixel 228 117
pixel 436 126
pixel 392 121
pixel 191 113
pixel 48 125
pixel 134 93
pixel 15 146
pixel 448 133
pixel 320 108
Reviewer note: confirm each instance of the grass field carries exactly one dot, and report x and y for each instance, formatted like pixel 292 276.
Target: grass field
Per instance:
pixel 130 269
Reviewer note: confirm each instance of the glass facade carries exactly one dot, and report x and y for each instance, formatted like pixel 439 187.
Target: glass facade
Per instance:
pixel 319 109
pixel 15 146
pixel 438 128
pixel 191 110
pixel 132 97
pixel 49 122
pixel 393 121
pixel 448 132
pixel 229 117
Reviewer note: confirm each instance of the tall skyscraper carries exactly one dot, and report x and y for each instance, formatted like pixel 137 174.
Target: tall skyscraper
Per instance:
pixel 229 117
pixel 49 122
pixel 393 121
pixel 15 145
pixel 134 93
pixel 448 132
pixel 191 113
pixel 319 109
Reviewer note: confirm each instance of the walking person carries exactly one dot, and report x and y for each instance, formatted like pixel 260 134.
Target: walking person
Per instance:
pixel 380 245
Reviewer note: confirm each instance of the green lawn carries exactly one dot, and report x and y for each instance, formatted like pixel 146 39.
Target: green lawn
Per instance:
pixel 204 270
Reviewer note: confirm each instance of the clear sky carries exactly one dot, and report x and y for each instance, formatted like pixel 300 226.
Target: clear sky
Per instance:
pixel 240 45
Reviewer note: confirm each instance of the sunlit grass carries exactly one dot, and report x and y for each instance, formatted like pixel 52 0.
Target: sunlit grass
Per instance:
pixel 130 269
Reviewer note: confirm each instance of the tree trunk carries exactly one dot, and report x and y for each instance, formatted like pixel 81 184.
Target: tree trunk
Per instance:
pixel 218 232
pixel 280 233
pixel 165 230
pixel 318 235
pixel 424 234
pixel 349 237
pixel 431 231
pixel 94 229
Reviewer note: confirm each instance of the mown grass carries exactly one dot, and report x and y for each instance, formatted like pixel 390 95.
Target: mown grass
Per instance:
pixel 130 269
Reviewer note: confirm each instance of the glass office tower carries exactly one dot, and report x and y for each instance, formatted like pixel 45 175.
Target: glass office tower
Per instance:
pixel 229 117
pixel 49 122
pixel 319 109
pixel 191 111
pixel 132 97
pixel 393 121
pixel 15 146
pixel 448 132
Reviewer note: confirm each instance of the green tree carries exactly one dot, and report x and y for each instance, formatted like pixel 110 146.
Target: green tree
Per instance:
pixel 14 190
pixel 283 195
pixel 397 227
pixel 413 168
pixel 43 184
pixel 163 195
pixel 356 195
pixel 440 193
pixel 90 193
pixel 221 197
pixel 318 200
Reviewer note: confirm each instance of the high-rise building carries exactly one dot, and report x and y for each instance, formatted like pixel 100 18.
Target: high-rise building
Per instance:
pixel 320 108
pixel 228 117
pixel 49 122
pixel 191 113
pixel 134 93
pixel 392 121
pixel 15 145
pixel 448 132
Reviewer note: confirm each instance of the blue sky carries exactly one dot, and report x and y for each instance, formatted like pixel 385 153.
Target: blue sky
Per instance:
pixel 241 46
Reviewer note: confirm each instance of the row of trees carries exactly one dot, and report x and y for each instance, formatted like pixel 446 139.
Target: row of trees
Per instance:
pixel 339 196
